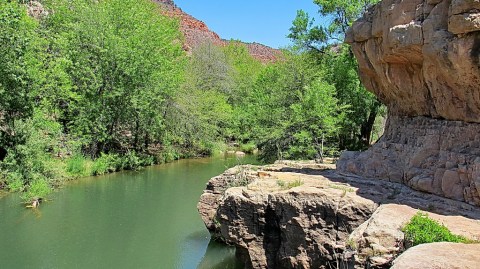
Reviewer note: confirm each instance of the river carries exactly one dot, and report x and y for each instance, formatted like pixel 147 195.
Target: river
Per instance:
pixel 145 219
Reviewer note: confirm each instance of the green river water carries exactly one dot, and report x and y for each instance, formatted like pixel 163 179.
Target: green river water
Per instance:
pixel 145 219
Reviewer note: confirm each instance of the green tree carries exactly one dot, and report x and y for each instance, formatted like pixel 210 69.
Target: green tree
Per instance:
pixel 19 68
pixel 338 14
pixel 294 111
pixel 123 60
pixel 202 115
pixel 339 65
pixel 339 68
pixel 244 72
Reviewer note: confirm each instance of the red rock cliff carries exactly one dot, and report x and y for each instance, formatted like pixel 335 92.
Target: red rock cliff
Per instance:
pixel 197 32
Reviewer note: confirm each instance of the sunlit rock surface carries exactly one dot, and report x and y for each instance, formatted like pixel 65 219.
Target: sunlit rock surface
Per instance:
pixel 422 59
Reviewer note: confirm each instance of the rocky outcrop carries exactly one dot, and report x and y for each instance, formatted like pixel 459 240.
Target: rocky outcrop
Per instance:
pixel 36 10
pixel 439 255
pixel 305 215
pixel 196 32
pixel 380 239
pixel 422 59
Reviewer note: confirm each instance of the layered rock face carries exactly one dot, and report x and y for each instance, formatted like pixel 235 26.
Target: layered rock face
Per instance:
pixel 302 215
pixel 422 59
pixel 276 226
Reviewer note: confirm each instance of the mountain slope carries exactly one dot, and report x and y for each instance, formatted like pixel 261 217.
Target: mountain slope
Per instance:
pixel 197 32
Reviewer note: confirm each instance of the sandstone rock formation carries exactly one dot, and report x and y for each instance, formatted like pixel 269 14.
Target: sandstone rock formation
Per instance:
pixel 197 32
pixel 295 215
pixel 422 59
pixel 380 239
pixel 439 255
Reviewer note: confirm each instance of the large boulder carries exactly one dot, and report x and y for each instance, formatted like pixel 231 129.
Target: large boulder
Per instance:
pixel 440 256
pixel 422 59
pixel 292 215
pixel 378 241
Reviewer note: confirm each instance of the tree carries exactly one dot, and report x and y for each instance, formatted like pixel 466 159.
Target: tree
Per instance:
pixel 123 61
pixel 294 109
pixel 339 65
pixel 201 109
pixel 340 14
pixel 19 68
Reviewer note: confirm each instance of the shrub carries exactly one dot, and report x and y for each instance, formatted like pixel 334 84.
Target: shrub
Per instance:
pixel 39 188
pixel 168 154
pixel 76 166
pixel 248 147
pixel 15 182
pixel 421 229
pixel 285 186
pixel 106 163
pixel 131 161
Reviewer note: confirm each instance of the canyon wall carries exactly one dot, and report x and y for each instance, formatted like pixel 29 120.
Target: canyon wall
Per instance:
pixel 196 32
pixel 422 59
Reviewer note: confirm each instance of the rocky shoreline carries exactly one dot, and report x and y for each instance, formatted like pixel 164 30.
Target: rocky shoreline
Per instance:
pixel 421 58
pixel 305 215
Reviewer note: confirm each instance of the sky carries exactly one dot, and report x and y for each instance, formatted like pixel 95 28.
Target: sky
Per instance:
pixel 262 21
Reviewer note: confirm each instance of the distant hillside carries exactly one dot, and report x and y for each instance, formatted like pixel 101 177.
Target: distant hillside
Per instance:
pixel 196 32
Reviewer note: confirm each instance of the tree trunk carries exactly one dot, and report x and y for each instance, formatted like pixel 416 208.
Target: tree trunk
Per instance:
pixel 3 154
pixel 367 127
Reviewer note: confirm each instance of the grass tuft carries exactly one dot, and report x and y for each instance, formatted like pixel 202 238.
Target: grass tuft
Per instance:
pixel 421 230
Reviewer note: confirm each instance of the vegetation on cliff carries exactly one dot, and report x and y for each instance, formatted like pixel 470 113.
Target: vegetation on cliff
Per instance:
pixel 88 88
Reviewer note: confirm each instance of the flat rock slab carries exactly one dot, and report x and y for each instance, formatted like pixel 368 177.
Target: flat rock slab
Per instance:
pixel 380 239
pixel 294 215
pixel 440 256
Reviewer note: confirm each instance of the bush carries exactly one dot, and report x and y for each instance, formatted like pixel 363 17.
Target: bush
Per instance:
pixel 421 230
pixel 76 166
pixel 168 154
pixel 248 147
pixel 15 182
pixel 39 188
pixel 131 161
pixel 106 163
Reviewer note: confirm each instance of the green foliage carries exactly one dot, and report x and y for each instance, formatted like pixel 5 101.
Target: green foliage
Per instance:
pixel 249 147
pixel 421 230
pixel 32 158
pixel 75 166
pixel 299 111
pixel 308 36
pixel 89 78
pixel 134 161
pixel 18 63
pixel 38 188
pixel 100 86
pixel 106 163
pixel 339 68
pixel 202 113
pixel 122 62
pixel 286 186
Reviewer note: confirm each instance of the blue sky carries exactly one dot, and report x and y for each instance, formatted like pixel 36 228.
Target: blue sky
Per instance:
pixel 262 21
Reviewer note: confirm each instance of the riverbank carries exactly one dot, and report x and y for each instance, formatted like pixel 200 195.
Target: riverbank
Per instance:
pixel 64 170
pixel 151 214
pixel 307 215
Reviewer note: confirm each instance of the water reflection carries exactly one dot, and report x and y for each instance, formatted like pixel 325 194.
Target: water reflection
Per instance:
pixel 218 256
pixel 145 219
